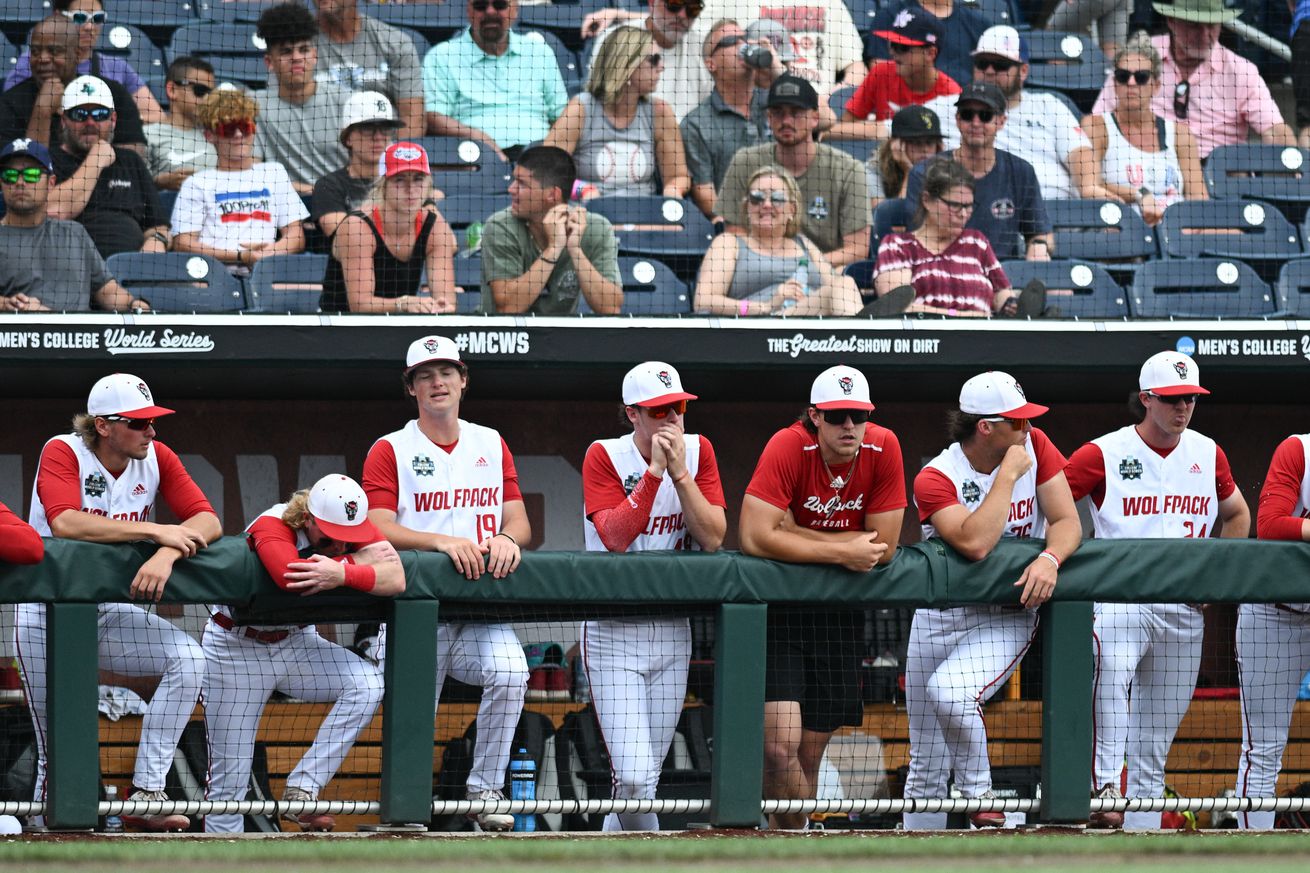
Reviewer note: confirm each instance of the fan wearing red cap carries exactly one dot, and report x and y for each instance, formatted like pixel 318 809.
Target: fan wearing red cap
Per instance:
pixel 1000 477
pixel 1154 479
pixel 329 523
pixel 657 487
pixel 442 484
pixel 380 251
pixel 829 489
pixel 99 484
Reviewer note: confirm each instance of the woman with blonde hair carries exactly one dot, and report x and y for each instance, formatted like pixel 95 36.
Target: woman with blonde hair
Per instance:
pixel 772 269
pixel 1144 159
pixel 380 251
pixel 618 134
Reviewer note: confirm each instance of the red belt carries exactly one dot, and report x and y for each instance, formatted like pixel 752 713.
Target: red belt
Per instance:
pixel 267 637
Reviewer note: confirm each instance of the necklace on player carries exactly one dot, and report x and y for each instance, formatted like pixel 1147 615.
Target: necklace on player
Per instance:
pixel 838 482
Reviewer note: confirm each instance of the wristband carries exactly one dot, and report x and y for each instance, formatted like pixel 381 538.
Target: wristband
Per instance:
pixel 548 260
pixel 744 309
pixel 677 480
pixel 508 537
pixel 1050 557
pixel 360 577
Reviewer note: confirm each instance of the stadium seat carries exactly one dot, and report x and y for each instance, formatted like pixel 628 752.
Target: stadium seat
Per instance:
pixel 649 288
pixel 421 42
pixel 18 16
pixel 671 230
pixel 1248 229
pixel 286 283
pixel 9 54
pixel 177 282
pixel 132 45
pixel 234 49
pixel 997 11
pixel 158 18
pixel 453 153
pixel 1069 62
pixel 862 272
pixel 862 13
pixel 468 275
pixel 462 210
pixel 1074 289
pixel 889 216
pixel 570 67
pixel 1294 288
pixel 1276 174
pixel 436 21
pixel 1200 288
pixel 837 102
pixel 166 201
pixel 229 11
pixel 561 20
pixel 860 149
pixel 1100 230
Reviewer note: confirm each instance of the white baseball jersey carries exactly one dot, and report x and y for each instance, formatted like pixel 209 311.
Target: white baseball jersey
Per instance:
pixel 129 497
pixel 458 493
pixel 1150 497
pixel 666 529
pixel 1025 517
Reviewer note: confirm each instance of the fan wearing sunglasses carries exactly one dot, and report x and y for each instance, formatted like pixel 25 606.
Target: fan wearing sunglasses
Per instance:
pixel 89 17
pixel 106 188
pixel 1145 160
pixel 999 478
pixel 240 211
pixel 829 489
pixel 619 135
pixel 654 488
pixel 1220 95
pixel 177 148
pixel 72 273
pixel 1156 479
pixel 771 269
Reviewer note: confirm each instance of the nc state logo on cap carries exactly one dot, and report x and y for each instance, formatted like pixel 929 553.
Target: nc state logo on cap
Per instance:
pixel 145 392
pixel 352 509
pixel 847 384
pixel 665 379
pixel 1180 367
pixel 431 345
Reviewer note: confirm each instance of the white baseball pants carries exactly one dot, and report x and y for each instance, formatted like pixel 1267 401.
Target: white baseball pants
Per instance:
pixel 132 642
pixel 638 676
pixel 1273 654
pixel 957 659
pixel 244 673
pixel 490 657
pixel 1150 652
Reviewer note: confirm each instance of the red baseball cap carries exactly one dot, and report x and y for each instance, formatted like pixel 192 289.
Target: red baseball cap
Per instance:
pixel 403 157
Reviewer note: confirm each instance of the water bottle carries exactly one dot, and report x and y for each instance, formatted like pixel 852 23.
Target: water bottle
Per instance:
pixel 113 823
pixel 473 237
pixel 802 278
pixel 523 786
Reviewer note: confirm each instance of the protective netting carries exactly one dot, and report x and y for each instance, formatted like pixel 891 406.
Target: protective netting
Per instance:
pixel 1097 174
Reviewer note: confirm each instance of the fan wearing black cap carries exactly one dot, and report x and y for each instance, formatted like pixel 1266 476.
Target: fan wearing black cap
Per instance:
pixel 916 135
pixel 910 78
pixel 835 211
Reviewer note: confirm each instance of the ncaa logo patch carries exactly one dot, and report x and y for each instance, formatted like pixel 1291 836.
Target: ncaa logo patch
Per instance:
pixel 423 466
pixel 95 485
pixel 1130 468
pixel 971 492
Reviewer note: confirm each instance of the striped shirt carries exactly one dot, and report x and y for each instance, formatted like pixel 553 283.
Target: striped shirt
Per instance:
pixel 966 275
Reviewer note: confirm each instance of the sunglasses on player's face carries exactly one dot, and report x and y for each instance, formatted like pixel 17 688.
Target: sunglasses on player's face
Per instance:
pixel 662 412
pixel 1015 423
pixel 837 417
pixel 1175 399
pixel 30 175
pixel 139 424
pixel 229 129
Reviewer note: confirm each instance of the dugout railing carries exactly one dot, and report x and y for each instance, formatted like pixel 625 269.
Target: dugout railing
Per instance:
pixel 75 576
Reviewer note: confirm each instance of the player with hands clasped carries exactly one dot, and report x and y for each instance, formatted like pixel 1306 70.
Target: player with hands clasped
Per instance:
pixel 829 489
pixel 318 540
pixel 1273 639
pixel 442 484
pixel 1000 478
pixel 99 485
pixel 1155 479
pixel 655 488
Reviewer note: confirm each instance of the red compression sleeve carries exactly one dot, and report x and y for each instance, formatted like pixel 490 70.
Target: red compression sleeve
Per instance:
pixel 619 526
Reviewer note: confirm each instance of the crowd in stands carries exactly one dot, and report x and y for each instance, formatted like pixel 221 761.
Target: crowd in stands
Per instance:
pixel 692 99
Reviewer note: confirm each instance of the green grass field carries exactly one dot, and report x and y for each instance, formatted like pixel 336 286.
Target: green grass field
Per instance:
pixel 704 852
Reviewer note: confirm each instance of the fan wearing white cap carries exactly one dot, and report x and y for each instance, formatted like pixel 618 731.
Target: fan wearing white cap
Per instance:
pixel 442 484
pixel 242 211
pixel 368 126
pixel 829 489
pixel 320 539
pixel 1000 477
pixel 1273 639
pixel 657 487
pixel 1154 479
pixel 99 484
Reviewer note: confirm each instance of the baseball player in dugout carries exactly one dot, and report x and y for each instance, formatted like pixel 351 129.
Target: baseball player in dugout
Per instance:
pixel 442 484
pixel 829 489
pixel 655 488
pixel 320 539
pixel 1273 639
pixel 1000 477
pixel 1154 479
pixel 98 484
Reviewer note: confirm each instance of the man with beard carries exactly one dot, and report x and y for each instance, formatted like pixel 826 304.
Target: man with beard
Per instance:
pixel 834 190
pixel 359 53
pixel 105 188
pixel 1217 94
pixel 31 108
pixel 492 85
